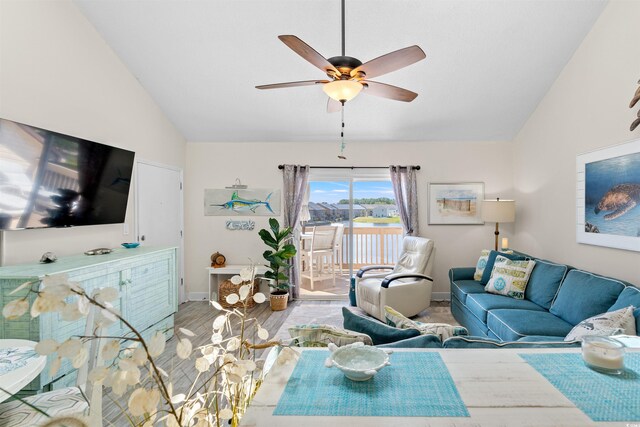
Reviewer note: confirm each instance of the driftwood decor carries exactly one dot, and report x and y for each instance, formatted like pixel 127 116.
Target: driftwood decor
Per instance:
pixel 634 100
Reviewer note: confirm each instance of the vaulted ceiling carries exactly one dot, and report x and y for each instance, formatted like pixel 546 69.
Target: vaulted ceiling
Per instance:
pixel 489 63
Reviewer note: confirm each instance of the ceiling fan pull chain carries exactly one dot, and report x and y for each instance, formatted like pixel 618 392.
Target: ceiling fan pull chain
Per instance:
pixel 342 144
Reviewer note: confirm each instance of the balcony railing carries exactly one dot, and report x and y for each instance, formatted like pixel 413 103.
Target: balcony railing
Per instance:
pixel 373 246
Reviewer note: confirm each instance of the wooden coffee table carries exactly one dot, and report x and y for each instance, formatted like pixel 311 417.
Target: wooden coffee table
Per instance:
pixel 497 386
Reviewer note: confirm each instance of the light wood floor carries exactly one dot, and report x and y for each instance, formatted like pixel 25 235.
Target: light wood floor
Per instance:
pixel 198 316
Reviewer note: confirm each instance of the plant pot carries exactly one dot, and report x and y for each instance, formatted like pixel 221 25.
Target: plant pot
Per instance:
pixel 279 301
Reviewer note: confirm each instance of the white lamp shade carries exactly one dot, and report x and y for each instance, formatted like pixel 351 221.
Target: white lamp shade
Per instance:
pixel 499 210
pixel 342 90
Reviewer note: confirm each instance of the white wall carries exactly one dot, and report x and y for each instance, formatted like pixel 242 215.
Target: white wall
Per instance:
pixel 216 165
pixel 586 109
pixel 57 73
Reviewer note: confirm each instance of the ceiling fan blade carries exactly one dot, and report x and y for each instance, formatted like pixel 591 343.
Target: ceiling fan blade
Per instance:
pixel 388 91
pixel 390 62
pixel 292 84
pixel 308 53
pixel 333 106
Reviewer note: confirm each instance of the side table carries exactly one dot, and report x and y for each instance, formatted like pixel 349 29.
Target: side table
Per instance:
pixel 23 367
pixel 229 270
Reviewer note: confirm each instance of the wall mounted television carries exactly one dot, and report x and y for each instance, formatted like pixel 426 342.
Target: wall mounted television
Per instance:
pixel 48 179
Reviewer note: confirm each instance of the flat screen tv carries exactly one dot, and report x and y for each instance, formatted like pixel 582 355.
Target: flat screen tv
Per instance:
pixel 48 179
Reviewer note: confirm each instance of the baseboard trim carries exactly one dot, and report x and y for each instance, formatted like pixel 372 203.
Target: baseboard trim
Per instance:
pixel 440 296
pixel 198 296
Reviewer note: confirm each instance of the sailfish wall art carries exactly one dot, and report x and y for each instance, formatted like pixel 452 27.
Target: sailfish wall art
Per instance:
pixel 242 202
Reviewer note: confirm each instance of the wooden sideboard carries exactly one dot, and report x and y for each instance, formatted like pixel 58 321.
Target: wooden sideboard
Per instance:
pixel 145 276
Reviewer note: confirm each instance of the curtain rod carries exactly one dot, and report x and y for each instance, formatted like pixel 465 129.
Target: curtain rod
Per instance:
pixel 352 167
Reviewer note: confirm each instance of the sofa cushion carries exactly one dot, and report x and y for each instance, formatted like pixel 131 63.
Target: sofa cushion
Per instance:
pixel 610 323
pixel 481 304
pixel 461 288
pixel 629 296
pixel 486 274
pixel 509 277
pixel 479 342
pixel 583 295
pixel 422 341
pixel 544 282
pixel 542 338
pixel 513 324
pixel 464 317
pixel 378 331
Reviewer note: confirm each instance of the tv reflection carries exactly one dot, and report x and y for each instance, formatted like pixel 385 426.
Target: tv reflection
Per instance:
pixel 48 179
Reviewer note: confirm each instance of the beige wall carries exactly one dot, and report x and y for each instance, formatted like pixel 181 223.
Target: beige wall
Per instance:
pixel 57 73
pixel 216 165
pixel 586 109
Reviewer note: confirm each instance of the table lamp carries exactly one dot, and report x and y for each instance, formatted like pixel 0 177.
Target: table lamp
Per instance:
pixel 498 211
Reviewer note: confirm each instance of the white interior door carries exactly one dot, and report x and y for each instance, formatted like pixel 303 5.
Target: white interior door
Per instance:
pixel 159 210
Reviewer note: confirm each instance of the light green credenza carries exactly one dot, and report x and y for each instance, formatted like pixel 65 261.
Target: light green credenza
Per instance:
pixel 145 276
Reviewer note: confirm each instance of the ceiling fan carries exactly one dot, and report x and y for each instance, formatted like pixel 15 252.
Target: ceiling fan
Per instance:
pixel 348 76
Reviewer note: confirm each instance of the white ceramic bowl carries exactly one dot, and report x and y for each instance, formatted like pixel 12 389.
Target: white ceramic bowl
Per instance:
pixel 357 361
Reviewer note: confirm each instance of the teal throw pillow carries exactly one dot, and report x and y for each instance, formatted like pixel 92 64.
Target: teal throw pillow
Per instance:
pixel 486 274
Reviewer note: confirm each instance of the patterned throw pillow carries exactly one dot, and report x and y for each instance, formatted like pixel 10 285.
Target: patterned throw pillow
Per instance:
pixel 442 330
pixel 398 320
pixel 509 277
pixel 321 335
pixel 610 323
pixel 481 264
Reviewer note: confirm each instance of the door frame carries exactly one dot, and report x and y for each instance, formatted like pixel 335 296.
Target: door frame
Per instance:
pixel 182 293
pixel 350 176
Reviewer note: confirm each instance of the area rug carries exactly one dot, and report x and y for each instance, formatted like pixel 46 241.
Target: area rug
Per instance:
pixel 331 314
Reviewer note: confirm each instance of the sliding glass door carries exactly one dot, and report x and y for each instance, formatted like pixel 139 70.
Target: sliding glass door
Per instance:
pixel 358 208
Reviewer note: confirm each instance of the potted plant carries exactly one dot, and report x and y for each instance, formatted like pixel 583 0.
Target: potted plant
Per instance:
pixel 281 251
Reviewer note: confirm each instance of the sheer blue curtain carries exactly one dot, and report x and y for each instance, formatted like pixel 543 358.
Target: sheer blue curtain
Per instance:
pixel 405 188
pixel 295 179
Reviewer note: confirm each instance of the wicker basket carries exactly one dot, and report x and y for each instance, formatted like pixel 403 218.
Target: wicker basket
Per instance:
pixel 279 302
pixel 227 288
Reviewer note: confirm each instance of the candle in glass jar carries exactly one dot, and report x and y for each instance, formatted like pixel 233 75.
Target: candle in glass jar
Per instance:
pixel 505 243
pixel 603 355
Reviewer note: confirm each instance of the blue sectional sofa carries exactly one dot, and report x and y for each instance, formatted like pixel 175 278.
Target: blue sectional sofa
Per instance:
pixel 557 298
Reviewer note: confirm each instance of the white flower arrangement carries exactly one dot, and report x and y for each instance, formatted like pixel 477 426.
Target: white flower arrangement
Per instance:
pixel 228 374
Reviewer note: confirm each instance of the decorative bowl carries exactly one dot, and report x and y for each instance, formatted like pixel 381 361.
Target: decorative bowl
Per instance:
pixel 357 361
pixel 131 245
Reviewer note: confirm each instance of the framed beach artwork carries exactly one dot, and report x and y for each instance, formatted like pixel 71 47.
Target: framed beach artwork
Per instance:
pixel 242 202
pixel 608 197
pixel 455 203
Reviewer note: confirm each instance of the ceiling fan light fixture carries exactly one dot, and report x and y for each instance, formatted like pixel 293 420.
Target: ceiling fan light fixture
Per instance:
pixel 342 90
